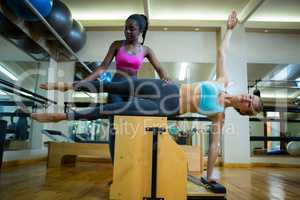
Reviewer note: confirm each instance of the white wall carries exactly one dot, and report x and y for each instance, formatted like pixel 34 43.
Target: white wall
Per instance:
pixel 168 46
pixel 236 130
pixel 98 43
pixel 59 72
pixel 183 46
pixel 9 52
pixel 273 48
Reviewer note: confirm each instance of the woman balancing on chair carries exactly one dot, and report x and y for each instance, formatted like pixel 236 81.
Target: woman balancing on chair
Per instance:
pixel 156 97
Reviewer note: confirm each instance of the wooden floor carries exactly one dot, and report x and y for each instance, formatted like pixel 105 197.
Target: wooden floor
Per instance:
pixel 89 181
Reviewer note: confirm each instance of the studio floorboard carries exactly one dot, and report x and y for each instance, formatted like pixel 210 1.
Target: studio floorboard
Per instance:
pixel 89 181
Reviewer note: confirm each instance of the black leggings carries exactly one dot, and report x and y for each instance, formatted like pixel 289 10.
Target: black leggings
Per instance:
pixel 152 97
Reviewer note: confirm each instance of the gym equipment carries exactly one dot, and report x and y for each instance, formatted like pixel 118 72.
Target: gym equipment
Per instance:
pixel 20 128
pixel 66 152
pixel 94 65
pixel 29 46
pixel 63 150
pixel 76 38
pixel 194 158
pixel 105 77
pixel 20 91
pixel 20 8
pixel 8 29
pixel 256 92
pixel 212 186
pixel 276 152
pixel 56 136
pixel 149 165
pixel 3 125
pixel 293 148
pixel 60 18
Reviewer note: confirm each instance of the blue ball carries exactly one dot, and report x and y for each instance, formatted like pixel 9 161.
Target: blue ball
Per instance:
pixel 106 77
pixel 20 8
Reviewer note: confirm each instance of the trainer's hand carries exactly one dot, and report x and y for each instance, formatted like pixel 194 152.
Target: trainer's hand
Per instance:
pixel 167 79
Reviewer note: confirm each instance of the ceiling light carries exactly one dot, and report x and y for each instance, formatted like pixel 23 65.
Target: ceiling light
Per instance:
pixel 183 71
pixel 2 92
pixel 95 15
pixel 197 29
pixel 188 15
pixel 165 28
pixel 266 30
pixel 7 73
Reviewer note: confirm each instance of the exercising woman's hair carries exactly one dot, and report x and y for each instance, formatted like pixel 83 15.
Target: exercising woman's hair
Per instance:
pixel 142 22
pixel 257 109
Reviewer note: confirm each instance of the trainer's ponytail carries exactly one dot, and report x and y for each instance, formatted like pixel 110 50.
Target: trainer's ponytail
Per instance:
pixel 146 28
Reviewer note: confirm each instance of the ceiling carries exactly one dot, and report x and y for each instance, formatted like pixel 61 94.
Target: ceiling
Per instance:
pixel 187 12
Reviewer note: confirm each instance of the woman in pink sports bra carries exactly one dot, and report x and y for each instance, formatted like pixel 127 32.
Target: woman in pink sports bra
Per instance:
pixel 129 55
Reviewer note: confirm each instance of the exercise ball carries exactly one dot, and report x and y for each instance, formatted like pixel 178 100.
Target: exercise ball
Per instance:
pixel 60 18
pixel 29 46
pixel 20 8
pixel 76 38
pixel 293 148
pixel 8 29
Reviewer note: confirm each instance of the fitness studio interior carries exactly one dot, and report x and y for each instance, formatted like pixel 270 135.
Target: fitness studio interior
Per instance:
pixel 149 99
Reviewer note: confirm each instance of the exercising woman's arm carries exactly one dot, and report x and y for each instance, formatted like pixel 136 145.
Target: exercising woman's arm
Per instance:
pixel 221 74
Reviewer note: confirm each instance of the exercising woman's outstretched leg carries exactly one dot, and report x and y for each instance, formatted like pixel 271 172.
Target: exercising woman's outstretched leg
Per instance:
pixel 150 88
pixel 153 97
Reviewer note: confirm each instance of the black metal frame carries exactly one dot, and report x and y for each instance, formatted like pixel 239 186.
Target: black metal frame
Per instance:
pixel 274 138
pixel 14 89
pixel 3 125
pixel 156 131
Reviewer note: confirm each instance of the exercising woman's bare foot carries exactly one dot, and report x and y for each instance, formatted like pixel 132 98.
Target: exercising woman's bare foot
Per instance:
pixel 60 86
pixel 49 117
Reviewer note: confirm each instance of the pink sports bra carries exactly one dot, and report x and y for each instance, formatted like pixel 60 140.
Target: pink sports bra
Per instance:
pixel 125 60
